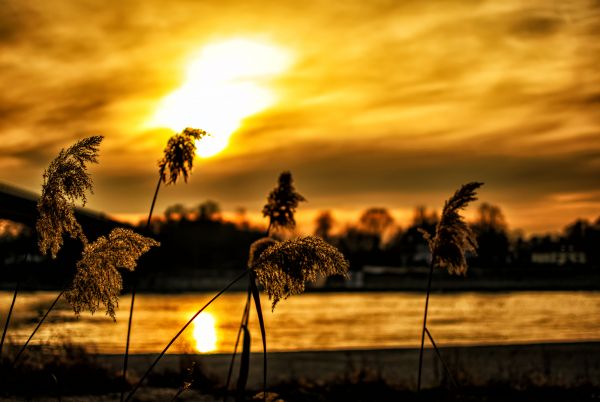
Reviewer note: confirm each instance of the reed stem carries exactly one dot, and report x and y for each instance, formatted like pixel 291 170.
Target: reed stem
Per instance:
pixel 425 322
pixel 215 297
pixel 133 292
pixel 10 310
pixel 244 321
pixel 439 355
pixel 39 324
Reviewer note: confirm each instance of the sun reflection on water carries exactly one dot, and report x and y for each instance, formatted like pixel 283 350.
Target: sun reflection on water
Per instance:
pixel 205 333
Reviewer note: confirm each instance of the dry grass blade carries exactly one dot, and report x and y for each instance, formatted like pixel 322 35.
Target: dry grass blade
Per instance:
pixel 282 203
pixel 284 267
pixel 183 328
pixel 453 237
pixel 244 366
pixel 261 322
pixel 179 155
pixel 66 181
pixel 97 280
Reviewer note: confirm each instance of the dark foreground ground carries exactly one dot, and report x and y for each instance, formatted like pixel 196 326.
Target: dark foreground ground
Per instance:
pixel 339 392
pixel 542 372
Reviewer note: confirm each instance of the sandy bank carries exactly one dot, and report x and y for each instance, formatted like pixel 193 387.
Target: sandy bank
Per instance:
pixel 548 365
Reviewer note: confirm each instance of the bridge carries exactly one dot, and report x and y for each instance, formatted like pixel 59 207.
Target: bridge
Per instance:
pixel 20 206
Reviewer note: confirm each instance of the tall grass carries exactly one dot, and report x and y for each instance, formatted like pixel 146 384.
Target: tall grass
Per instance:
pixel 280 208
pixel 177 161
pixel 65 182
pixel 452 240
pixel 281 268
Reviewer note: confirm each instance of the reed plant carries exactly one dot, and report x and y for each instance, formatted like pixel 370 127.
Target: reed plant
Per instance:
pixel 280 267
pixel 177 162
pixel 97 280
pixel 65 183
pixel 449 245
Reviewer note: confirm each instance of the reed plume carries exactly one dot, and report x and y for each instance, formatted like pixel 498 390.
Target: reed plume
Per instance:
pixel 178 159
pixel 284 267
pixel 282 203
pixel 453 237
pixel 66 180
pixel 97 280
pixel 452 240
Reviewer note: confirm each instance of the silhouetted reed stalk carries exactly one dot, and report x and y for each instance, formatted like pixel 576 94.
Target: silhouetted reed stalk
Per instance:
pixel 280 208
pixel 8 315
pixel 160 356
pixel 134 286
pixel 424 324
pixel 39 324
pixel 178 160
pixel 439 355
pixel 12 306
pixel 452 240
pixel 243 322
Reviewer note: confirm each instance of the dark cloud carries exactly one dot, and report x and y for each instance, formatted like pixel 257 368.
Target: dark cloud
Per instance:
pixel 536 26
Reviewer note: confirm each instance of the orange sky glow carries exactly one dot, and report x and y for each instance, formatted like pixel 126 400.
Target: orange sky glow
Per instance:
pixel 390 104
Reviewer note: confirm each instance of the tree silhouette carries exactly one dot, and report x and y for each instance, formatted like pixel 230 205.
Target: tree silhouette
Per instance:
pixel 323 224
pixel 282 203
pixel 492 239
pixel 209 211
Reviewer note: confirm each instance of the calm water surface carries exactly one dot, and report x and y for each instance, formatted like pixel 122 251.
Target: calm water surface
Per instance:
pixel 319 321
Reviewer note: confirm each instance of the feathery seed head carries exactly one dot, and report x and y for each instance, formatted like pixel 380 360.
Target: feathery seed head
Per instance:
pixel 282 203
pixel 179 155
pixel 453 237
pixel 284 267
pixel 97 280
pixel 257 248
pixel 66 180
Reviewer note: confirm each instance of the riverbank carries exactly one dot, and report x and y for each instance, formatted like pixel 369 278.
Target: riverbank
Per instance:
pixel 566 365
pixel 536 372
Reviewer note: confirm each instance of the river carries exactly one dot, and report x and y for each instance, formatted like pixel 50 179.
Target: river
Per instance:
pixel 317 321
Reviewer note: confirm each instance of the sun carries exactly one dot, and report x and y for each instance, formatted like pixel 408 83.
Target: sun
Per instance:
pixel 224 83
pixel 205 333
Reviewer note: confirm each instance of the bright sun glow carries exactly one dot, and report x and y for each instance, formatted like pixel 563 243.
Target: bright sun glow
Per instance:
pixel 224 84
pixel 205 333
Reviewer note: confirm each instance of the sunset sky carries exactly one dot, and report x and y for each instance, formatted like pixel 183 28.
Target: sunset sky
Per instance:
pixel 369 103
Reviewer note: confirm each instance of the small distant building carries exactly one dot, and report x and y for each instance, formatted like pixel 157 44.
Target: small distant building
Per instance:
pixel 558 254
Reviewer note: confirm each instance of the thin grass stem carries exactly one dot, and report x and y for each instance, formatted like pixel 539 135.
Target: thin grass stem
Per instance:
pixel 10 310
pixel 12 306
pixel 215 297
pixel 425 323
pixel 439 355
pixel 133 292
pixel 39 324
pixel 244 321
pixel 263 332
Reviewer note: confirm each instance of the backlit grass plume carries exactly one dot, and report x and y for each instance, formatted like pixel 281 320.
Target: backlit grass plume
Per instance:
pixel 179 155
pixel 97 280
pixel 284 267
pixel 282 203
pixel 65 181
pixel 453 238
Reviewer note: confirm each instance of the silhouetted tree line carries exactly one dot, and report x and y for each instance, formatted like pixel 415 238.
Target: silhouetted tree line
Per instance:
pixel 374 240
pixel 199 238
